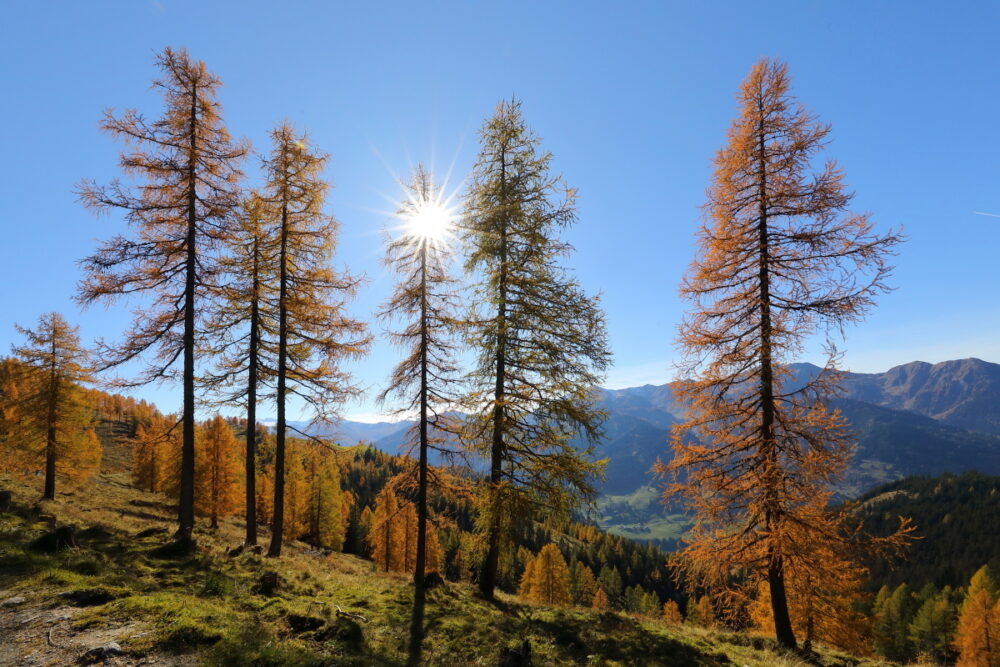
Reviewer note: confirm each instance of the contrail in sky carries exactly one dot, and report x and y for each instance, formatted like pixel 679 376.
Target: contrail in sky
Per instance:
pixel 992 215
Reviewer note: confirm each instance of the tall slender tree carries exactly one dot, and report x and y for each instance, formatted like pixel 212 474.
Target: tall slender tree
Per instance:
pixel 314 332
pixel 779 259
pixel 425 300
pixel 52 407
pixel 541 340
pixel 189 169
pixel 246 357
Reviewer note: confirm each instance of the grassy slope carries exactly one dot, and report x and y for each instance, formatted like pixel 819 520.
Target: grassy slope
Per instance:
pixel 203 609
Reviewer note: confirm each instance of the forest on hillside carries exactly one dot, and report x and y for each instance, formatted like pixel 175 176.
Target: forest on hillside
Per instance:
pixel 233 252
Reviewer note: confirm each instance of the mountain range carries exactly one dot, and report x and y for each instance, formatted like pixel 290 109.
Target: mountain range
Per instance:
pixel 914 419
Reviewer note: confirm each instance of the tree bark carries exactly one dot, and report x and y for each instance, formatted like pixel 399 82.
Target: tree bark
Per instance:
pixel 419 585
pixel 186 505
pixel 775 571
pixel 278 520
pixel 251 433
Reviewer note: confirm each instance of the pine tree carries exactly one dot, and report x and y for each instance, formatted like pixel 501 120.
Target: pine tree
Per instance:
pixel 891 628
pixel 424 299
pixel 541 340
pixel 600 601
pixel 779 259
pixel 191 170
pixel 217 478
pixel 672 613
pixel 314 333
pixel 245 351
pixel 54 417
pixel 933 628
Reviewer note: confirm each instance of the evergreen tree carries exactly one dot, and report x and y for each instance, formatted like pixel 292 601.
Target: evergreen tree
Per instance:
pixel 54 416
pixel 891 629
pixel 778 260
pixel 541 340
pixel 932 629
pixel 314 333
pixel 191 170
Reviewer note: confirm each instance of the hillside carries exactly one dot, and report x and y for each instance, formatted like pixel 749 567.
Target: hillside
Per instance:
pixel 210 608
pixel 958 528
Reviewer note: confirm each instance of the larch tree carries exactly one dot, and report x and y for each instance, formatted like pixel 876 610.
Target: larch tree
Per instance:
pixel 549 579
pixel 314 332
pixel 217 470
pixel 540 339
pixel 326 500
pixel 53 414
pixel 151 452
pixel 11 376
pixel 189 171
pixel 424 302
pixel 243 336
pixel 672 613
pixel 386 532
pixel 977 637
pixel 780 259
pixel 600 601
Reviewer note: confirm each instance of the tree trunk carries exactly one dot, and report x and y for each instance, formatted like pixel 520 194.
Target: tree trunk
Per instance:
pixel 278 518
pixel 775 572
pixel 186 506
pixel 419 587
pixel 251 433
pixel 50 440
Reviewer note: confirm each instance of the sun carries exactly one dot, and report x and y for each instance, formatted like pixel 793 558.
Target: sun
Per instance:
pixel 429 221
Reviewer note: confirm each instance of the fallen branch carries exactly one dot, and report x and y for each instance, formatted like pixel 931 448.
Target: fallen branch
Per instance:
pixel 356 617
pixel 48 638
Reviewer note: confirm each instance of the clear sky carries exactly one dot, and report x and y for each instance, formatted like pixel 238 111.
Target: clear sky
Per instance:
pixel 633 99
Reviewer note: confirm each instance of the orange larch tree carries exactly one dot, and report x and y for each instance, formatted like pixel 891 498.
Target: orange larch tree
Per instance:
pixel 217 471
pixel 977 637
pixel 314 332
pixel 780 258
pixel 243 336
pixel 53 414
pixel 181 210
pixel 549 578
pixel 424 302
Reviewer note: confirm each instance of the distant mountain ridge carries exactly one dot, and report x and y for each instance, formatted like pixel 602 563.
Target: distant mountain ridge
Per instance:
pixel 914 419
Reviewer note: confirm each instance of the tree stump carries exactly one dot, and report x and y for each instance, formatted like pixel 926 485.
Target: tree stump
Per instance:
pixel 268 584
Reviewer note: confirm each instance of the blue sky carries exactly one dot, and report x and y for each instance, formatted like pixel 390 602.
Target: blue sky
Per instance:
pixel 632 98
